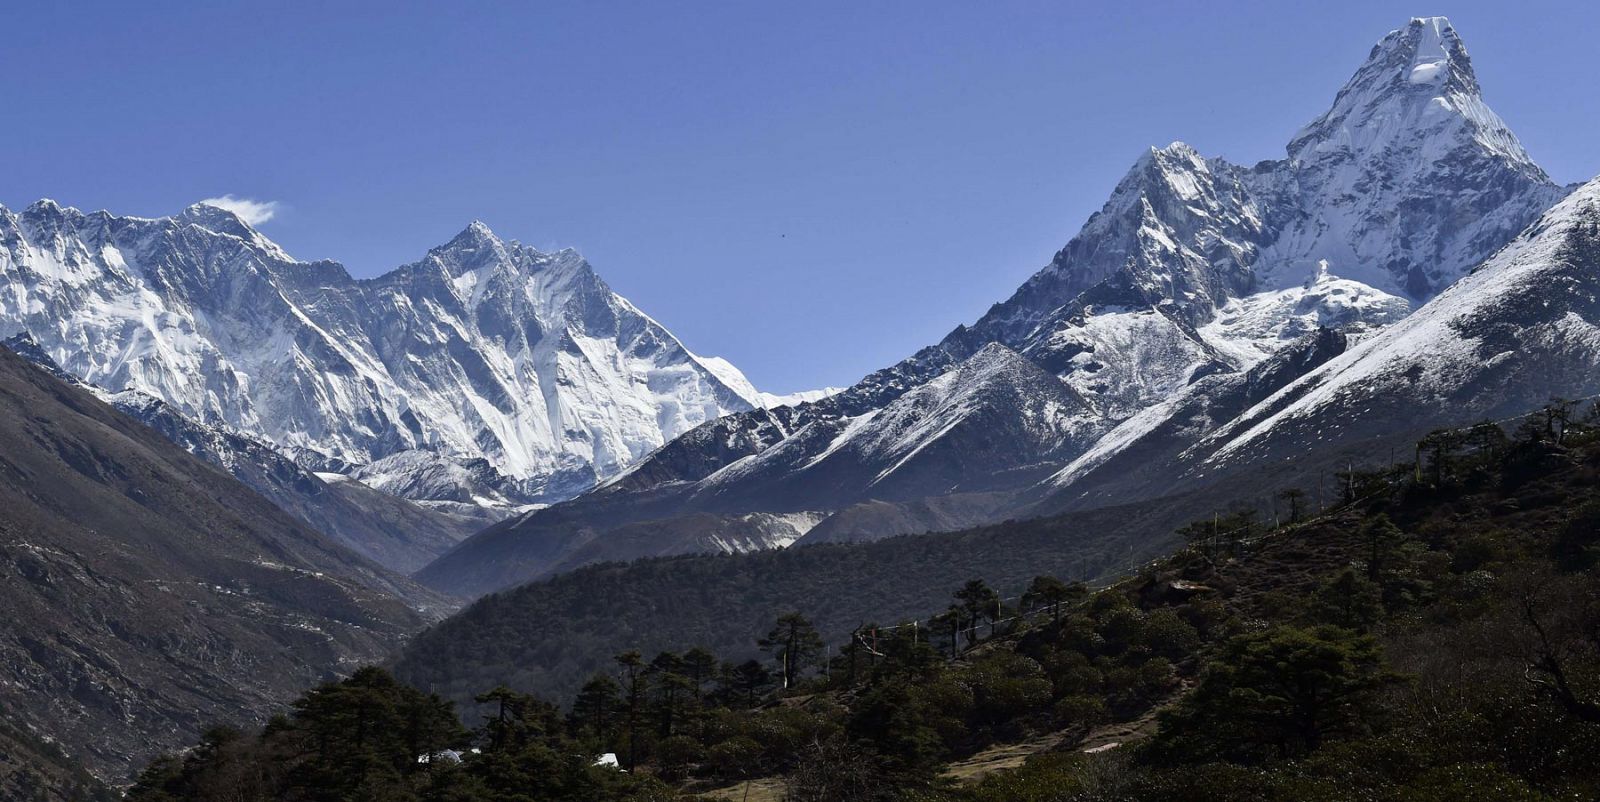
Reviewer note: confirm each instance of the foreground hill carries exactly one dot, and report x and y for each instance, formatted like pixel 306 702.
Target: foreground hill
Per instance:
pixel 393 532
pixel 1431 637
pixel 147 593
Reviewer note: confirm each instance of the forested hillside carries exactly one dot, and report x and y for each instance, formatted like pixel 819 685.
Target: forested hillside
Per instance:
pixel 545 637
pixel 1433 637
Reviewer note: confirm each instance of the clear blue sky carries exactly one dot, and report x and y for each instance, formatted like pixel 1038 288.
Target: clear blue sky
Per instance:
pixel 812 190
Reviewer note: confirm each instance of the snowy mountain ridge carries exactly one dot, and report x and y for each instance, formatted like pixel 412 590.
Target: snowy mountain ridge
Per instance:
pixel 520 364
pixel 1501 342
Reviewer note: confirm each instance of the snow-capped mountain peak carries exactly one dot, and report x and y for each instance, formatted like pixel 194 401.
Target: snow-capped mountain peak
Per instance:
pixel 521 366
pixel 472 249
pixel 1407 130
pixel 223 221
pixel 1418 79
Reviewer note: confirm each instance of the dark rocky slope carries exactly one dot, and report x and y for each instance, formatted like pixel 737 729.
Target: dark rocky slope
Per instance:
pixel 148 594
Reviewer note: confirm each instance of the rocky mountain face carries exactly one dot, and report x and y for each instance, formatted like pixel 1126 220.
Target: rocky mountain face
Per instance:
pixel 1181 293
pixel 390 531
pixel 1517 332
pixel 487 360
pixel 393 532
pixel 35 770
pixel 1133 461
pixel 149 594
pixel 1520 330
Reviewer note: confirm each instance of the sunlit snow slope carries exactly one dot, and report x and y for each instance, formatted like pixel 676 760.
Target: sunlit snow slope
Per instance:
pixel 486 359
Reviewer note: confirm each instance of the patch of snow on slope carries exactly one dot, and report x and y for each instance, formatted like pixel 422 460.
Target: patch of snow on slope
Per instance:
pixel 773 400
pixel 1255 326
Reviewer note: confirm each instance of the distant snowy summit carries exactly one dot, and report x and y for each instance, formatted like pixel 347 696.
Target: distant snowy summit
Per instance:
pixel 487 372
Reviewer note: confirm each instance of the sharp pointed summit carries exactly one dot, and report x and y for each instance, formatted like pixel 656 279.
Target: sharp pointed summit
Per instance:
pixel 1408 145
pixel 476 232
pixel 1418 80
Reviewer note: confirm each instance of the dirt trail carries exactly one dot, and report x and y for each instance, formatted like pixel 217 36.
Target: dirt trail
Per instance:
pixel 1009 756
pixel 765 789
pixel 1003 756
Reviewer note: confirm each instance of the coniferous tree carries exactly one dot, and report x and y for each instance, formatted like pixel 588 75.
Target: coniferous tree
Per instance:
pixel 1050 592
pixel 1441 447
pixel 747 681
pixel 595 707
pixel 794 644
pixel 670 689
pixel 1296 499
pixel 977 600
pixel 1382 537
pixel 948 624
pixel 633 687
pixel 700 666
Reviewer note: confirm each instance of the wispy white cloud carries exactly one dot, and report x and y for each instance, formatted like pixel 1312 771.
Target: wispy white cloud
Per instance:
pixel 251 211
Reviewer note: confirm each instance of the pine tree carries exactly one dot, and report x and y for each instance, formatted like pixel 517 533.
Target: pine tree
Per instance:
pixel 1296 499
pixel 595 707
pixel 977 600
pixel 747 681
pixel 1381 537
pixel 670 688
pixel 794 644
pixel 700 666
pixel 1048 591
pixel 633 685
